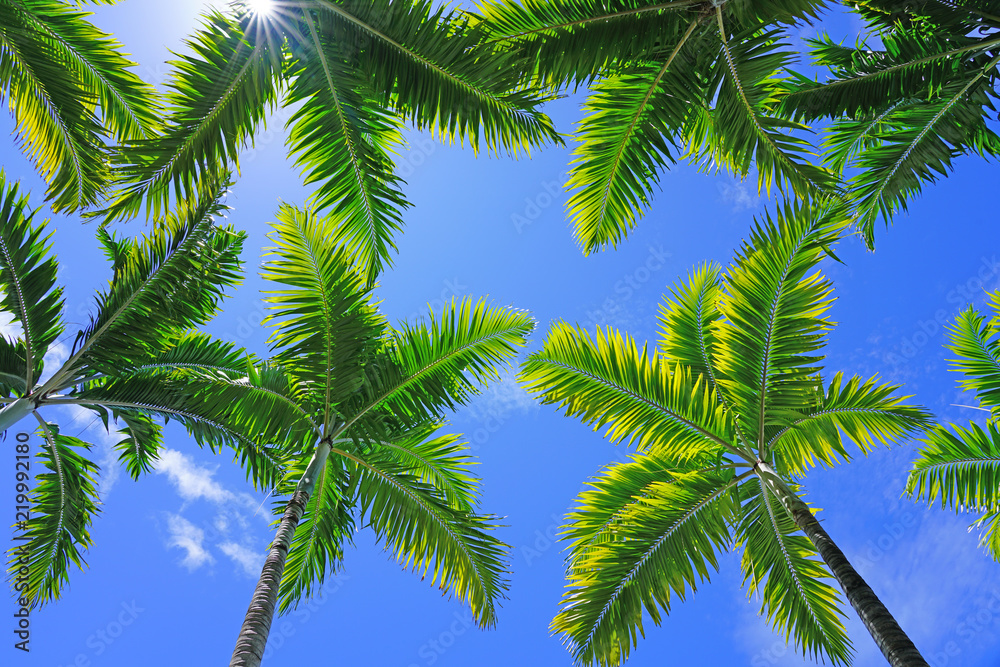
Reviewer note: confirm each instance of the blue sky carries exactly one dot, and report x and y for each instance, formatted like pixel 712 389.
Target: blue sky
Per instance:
pixel 177 553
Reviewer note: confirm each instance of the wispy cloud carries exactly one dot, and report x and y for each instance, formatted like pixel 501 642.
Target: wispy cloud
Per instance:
pixel 502 398
pixel 738 195
pixel 248 559
pixel 185 535
pixel 86 425
pixel 194 482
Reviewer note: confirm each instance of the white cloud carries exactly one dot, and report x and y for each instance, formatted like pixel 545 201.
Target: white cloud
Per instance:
pixel 194 482
pixel 8 327
pixel 738 195
pixel 187 536
pixel 86 425
pixel 248 559
pixel 502 398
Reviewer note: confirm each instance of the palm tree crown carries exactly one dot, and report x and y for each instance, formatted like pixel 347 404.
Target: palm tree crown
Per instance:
pixel 669 80
pixel 139 358
pixel 727 415
pixel 906 101
pixel 354 72
pixel 370 400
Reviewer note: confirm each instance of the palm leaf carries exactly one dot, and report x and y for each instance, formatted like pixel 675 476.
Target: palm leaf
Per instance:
pixel 426 533
pixel 661 545
pixel 28 272
pixel 978 355
pixel 64 502
pixel 959 469
pixel 642 399
pixel 775 312
pixel 865 411
pixel 218 95
pixel 342 139
pixel 782 567
pixel 167 282
pixel 323 315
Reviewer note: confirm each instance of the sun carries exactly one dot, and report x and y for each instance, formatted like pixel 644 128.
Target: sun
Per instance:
pixel 260 7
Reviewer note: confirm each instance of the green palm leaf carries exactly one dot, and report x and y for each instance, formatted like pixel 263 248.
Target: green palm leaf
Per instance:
pixel 961 470
pixel 426 533
pixel 609 381
pixel 767 356
pixel 975 341
pixel 342 139
pixel 781 566
pixel 660 545
pixel 165 283
pixel 28 284
pixel 64 502
pixel 866 412
pixel 218 96
pixel 56 71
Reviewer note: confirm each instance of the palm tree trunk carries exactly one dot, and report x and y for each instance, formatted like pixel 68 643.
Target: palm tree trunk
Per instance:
pixel 257 624
pixel 892 641
pixel 15 412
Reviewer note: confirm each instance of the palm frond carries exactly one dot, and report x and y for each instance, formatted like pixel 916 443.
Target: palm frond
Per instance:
pixel 775 312
pixel 64 502
pixel 866 412
pixel 959 469
pixel 342 139
pixel 428 367
pixel 743 132
pixel 28 290
pixel 781 566
pixel 434 70
pixel 689 320
pixel 218 95
pixel 661 545
pixel 974 339
pixel 628 138
pixel 422 529
pixel 164 283
pixel 139 450
pixel 322 311
pixel 608 381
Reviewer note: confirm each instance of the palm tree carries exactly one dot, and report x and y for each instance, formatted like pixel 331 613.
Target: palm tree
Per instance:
pixel 668 80
pixel 961 468
pixel 374 397
pixel 906 101
pixel 69 88
pixel 138 358
pixel 727 415
pixel 353 72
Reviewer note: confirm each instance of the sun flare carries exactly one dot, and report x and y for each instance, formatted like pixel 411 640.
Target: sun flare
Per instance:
pixel 260 7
